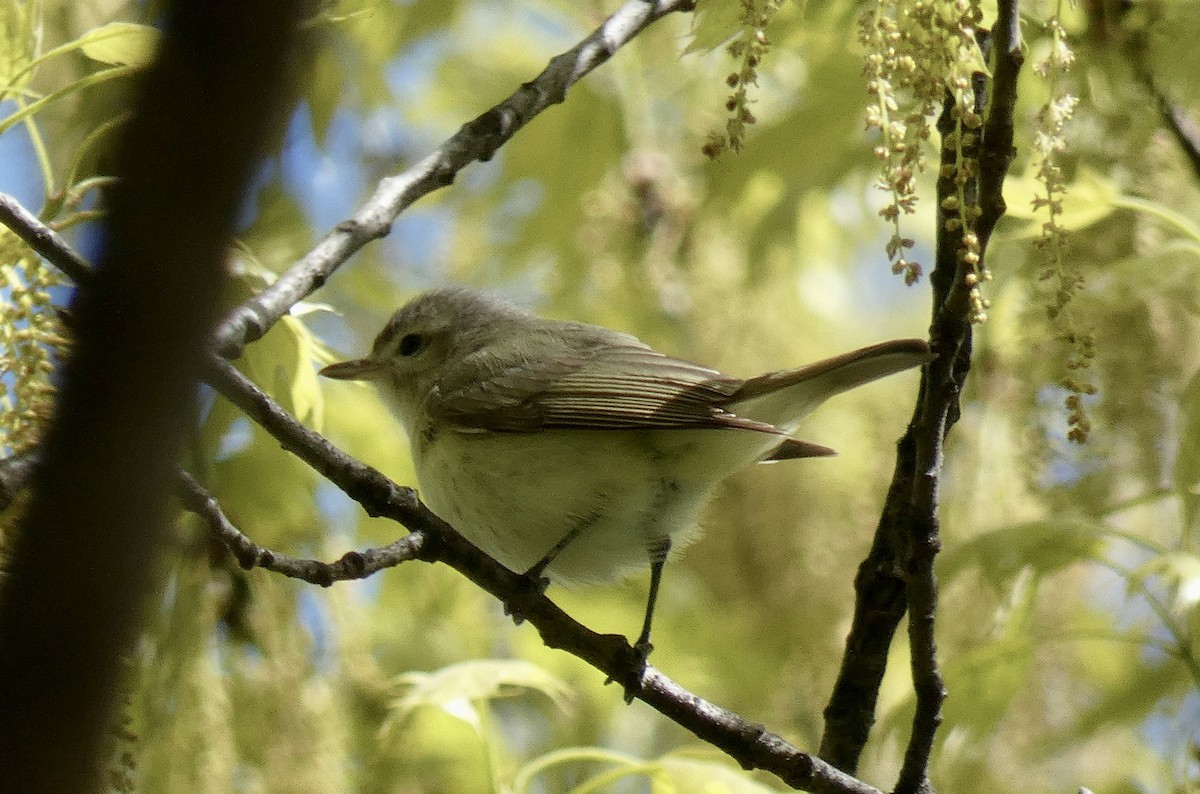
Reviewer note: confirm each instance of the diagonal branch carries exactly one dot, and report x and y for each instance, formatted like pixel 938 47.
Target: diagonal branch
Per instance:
pixel 43 240
pixel 751 745
pixel 476 140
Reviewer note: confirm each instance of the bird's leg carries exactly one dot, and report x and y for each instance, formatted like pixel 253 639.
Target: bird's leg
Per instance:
pixel 534 575
pixel 658 557
pixel 642 648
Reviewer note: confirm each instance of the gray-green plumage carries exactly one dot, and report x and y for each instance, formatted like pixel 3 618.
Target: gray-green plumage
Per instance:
pixel 526 431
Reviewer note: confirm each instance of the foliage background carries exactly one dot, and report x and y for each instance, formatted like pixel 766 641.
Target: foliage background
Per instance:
pixel 1068 621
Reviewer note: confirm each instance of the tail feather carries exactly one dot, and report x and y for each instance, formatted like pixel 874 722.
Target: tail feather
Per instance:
pixel 784 398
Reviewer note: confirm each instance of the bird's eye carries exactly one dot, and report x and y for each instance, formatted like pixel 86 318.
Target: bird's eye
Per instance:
pixel 410 344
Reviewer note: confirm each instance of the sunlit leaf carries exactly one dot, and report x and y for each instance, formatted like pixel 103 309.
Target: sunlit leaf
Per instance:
pixel 1043 546
pixel 713 23
pixel 1180 572
pixel 120 44
pixel 677 775
pixel 1088 200
pixel 473 682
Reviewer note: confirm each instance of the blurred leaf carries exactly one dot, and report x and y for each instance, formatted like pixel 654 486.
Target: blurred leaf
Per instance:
pixel 714 22
pixel 676 775
pixel 989 676
pixel 120 44
pixel 307 399
pixel 1186 474
pixel 1181 223
pixel 282 362
pixel 461 688
pixel 1179 571
pixel 18 37
pixel 1089 199
pixel 1126 700
pixel 1042 546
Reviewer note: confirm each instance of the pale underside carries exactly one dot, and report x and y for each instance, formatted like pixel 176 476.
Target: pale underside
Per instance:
pixel 515 495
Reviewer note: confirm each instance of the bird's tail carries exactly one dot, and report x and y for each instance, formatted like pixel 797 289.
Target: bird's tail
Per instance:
pixel 784 398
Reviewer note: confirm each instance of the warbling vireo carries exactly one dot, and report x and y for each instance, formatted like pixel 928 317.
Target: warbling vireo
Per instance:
pixel 577 452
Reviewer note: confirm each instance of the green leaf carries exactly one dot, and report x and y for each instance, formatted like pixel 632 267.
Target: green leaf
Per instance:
pixel 1043 546
pixel 714 23
pixel 460 688
pixel 120 44
pixel 18 37
pixel 1180 571
pixel 692 776
pixel 1088 200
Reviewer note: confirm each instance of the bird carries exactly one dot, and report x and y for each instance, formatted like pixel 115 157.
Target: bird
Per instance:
pixel 574 453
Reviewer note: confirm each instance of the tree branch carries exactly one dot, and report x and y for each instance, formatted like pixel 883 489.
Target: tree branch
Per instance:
pixel 476 140
pixel 351 565
pixel 431 540
pixel 43 240
pixel 897 574
pixel 749 744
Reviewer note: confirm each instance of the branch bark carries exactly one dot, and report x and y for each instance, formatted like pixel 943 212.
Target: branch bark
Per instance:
pixel 897 575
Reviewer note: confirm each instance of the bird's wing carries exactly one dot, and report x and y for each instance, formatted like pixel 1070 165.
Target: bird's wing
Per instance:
pixel 607 381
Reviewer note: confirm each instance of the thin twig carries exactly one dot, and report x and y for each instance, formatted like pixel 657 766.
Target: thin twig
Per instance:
pixel 748 743
pixel 351 565
pixel 476 140
pixel 43 240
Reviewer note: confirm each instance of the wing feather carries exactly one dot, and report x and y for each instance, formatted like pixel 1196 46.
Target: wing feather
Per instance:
pixel 609 383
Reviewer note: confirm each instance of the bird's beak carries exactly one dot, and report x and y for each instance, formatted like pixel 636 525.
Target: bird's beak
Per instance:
pixel 358 369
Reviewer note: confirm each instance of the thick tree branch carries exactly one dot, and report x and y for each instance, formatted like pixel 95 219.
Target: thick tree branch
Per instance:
pixel 879 606
pixel 476 140
pixel 83 556
pixel 897 575
pixel 996 150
